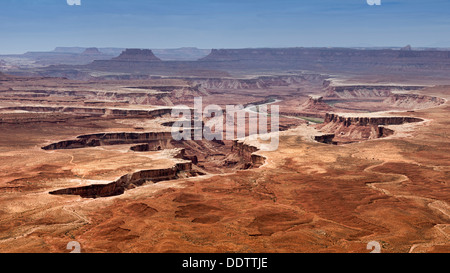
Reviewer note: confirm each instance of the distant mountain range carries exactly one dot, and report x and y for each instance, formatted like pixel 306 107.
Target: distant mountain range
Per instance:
pixel 168 54
pixel 85 63
pixel 83 55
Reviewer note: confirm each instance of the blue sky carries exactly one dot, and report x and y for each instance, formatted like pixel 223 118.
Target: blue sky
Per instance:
pixel 41 25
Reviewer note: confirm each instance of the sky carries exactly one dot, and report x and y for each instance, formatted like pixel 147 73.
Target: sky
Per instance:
pixel 42 25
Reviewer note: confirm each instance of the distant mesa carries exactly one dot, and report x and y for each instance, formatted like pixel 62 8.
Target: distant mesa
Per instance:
pixel 75 50
pixel 92 51
pixel 406 48
pixel 137 55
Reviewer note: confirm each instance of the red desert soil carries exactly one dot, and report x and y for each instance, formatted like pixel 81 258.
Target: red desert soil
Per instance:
pixel 306 197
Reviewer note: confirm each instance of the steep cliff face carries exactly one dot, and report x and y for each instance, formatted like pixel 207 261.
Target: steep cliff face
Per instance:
pixel 139 113
pixel 151 146
pixel 364 91
pixel 209 156
pixel 164 95
pixel 314 106
pixel 325 138
pixel 231 83
pixel 357 128
pixel 130 181
pixel 347 92
pixel 373 98
pixel 413 101
pixel 247 151
pixel 368 121
pixel 92 111
pixel 241 156
pixel 94 140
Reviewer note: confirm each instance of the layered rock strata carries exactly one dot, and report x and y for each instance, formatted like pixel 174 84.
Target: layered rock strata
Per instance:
pixel 347 129
pixel 130 181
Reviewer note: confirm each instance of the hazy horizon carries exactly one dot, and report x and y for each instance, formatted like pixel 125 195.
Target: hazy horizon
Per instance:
pixel 42 25
pixel 54 49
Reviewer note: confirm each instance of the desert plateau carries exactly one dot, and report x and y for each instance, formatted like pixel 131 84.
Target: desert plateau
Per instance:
pixel 93 160
pixel 236 127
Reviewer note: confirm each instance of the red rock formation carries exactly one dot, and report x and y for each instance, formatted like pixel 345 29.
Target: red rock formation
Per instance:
pixel 365 121
pixel 413 101
pixel 247 153
pixel 354 128
pixel 314 107
pixel 95 111
pixel 325 138
pixel 152 146
pixel 348 92
pixel 109 139
pixel 364 91
pixel 130 181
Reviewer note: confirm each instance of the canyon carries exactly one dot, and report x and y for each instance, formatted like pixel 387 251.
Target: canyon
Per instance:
pixel 361 127
pixel 87 153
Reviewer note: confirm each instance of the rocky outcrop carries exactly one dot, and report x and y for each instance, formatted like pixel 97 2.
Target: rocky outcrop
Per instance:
pixel 348 129
pixel 365 91
pixel 153 146
pixel 314 106
pixel 212 156
pixel 347 92
pixel 413 101
pixel 92 111
pixel 94 140
pixel 164 95
pixel 181 54
pixel 247 152
pixel 384 132
pixel 325 138
pixel 139 113
pixel 241 154
pixel 367 121
pixel 130 181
